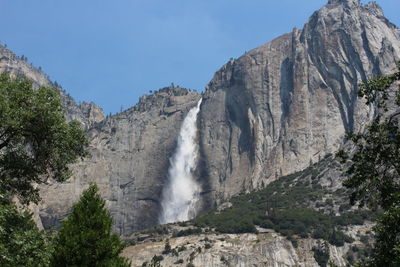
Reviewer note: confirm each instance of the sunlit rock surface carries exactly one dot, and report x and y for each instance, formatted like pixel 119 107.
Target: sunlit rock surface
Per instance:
pixel 267 248
pixel 289 102
pixel 130 158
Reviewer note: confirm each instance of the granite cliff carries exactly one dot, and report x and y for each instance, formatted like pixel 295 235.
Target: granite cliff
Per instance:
pixel 290 101
pixel 130 158
pixel 264 115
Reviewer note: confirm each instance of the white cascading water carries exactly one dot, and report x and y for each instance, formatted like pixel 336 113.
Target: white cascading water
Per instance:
pixel 182 192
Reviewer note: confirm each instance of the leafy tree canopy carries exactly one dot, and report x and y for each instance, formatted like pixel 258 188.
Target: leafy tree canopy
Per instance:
pixel 85 238
pixel 36 142
pixel 374 166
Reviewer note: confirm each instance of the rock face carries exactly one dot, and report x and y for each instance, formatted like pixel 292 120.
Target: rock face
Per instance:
pixel 266 114
pixel 290 101
pixel 129 162
pixel 267 249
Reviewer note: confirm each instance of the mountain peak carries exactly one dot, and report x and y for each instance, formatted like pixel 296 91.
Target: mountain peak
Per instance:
pixel 371 6
pixel 333 2
pixel 374 8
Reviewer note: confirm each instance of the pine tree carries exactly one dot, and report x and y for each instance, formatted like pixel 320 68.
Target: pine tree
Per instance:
pixel 85 238
pixel 21 242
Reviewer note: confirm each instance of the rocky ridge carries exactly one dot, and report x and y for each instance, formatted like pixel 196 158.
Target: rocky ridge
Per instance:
pixel 266 248
pixel 87 113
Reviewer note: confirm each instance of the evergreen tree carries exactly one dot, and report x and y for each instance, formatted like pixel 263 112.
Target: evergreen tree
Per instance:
pixel 21 242
pixel 85 238
pixel 374 166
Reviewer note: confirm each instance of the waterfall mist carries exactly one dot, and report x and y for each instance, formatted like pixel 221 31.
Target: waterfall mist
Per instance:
pixel 182 192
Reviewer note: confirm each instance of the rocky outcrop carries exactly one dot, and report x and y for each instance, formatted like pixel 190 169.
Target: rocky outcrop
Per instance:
pixel 129 160
pixel 92 113
pixel 87 113
pixel 290 101
pixel 266 248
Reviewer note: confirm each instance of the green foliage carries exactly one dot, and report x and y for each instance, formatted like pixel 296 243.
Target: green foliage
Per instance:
pixel 155 261
pixel 387 247
pixel 181 248
pixel 374 167
pixel 180 261
pixel 167 248
pixel 35 140
pixel 85 238
pixel 285 206
pixel 186 232
pixel 359 256
pixel 160 230
pixel 223 260
pixel 321 254
pixel 21 243
pixel 295 243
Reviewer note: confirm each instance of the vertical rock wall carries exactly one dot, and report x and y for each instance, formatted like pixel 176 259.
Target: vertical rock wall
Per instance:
pixel 289 102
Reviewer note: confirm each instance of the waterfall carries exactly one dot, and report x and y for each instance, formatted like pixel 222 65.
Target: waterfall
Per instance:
pixel 182 192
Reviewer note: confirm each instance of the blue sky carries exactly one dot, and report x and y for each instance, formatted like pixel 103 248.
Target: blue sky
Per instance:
pixel 112 52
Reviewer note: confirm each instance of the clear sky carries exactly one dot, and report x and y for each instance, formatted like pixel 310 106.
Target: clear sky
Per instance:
pixel 112 52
